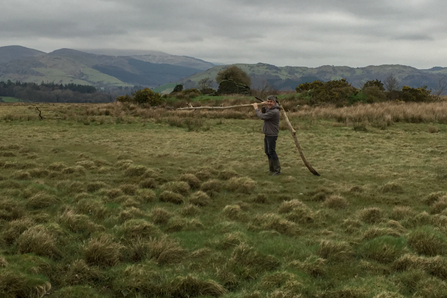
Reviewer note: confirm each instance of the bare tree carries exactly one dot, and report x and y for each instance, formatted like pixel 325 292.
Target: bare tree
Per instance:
pixel 442 85
pixel 204 83
pixel 391 83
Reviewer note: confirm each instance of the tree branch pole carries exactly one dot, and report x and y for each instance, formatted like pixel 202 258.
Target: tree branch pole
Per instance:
pixel 297 144
pixel 216 108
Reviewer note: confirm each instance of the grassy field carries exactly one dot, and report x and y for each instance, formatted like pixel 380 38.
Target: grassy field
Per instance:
pixel 114 200
pixel 9 99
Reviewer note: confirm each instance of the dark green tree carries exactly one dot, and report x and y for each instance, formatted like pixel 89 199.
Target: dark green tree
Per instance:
pixel 233 73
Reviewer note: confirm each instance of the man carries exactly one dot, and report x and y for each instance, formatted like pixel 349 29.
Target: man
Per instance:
pixel 270 129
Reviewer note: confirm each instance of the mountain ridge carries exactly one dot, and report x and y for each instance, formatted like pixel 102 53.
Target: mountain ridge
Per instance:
pixel 162 71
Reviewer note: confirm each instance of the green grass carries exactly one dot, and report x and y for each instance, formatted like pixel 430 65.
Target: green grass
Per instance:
pixel 125 203
pixel 9 99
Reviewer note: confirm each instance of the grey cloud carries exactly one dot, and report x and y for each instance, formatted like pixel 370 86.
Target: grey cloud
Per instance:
pixel 283 32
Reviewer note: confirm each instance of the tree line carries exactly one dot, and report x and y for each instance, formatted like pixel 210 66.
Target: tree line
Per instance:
pixel 51 92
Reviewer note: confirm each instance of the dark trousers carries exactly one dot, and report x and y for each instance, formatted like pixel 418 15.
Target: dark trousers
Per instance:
pixel 270 147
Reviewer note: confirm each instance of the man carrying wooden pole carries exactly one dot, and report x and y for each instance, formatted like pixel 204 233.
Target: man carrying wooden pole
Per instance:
pixel 271 129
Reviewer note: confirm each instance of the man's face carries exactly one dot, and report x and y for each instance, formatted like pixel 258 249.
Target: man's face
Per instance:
pixel 270 103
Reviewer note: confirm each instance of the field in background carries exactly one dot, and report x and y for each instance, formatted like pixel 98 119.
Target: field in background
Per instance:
pixel 113 200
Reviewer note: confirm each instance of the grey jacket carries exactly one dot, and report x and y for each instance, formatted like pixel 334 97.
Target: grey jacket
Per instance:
pixel 271 120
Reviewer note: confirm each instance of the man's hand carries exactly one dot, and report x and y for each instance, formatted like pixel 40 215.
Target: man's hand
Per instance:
pixel 255 105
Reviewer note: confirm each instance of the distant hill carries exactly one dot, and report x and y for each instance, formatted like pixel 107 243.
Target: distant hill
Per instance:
pixel 157 57
pixel 9 53
pixel 288 78
pixel 161 71
pixel 67 66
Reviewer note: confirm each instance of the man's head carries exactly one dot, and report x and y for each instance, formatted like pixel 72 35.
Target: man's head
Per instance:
pixel 271 101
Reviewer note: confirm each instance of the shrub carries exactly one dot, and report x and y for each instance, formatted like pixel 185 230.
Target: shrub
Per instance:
pixel 147 96
pixel 428 241
pixel 102 251
pixel 416 94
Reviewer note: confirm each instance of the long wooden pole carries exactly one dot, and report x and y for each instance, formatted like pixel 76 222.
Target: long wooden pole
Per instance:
pixel 297 144
pixel 215 108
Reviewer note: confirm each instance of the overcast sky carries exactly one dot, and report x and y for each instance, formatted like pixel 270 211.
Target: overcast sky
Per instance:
pixel 309 33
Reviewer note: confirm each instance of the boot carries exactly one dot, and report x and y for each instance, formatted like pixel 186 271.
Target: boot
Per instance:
pixel 276 167
pixel 271 169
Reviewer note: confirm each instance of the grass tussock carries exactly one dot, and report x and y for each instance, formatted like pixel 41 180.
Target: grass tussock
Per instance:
pixel 135 228
pixel 191 179
pixel 192 286
pixel 80 273
pixel 428 241
pixel 160 215
pixel 384 249
pixel 211 186
pixel 402 213
pixel 180 187
pixel 42 200
pixel 40 241
pixel 247 263
pixel 171 197
pixel 77 291
pixel 14 283
pixel 102 251
pixel 335 250
pixel 275 222
pixel 335 202
pixel 199 198
pixel 436 266
pixel 371 215
pixel 148 183
pixel 13 229
pixel 241 184
pixel 10 209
